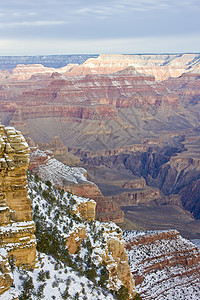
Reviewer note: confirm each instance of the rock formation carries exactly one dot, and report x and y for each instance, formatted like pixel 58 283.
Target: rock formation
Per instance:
pixel 49 61
pixel 16 223
pixel 73 242
pixel 160 66
pixel 163 265
pixel 117 260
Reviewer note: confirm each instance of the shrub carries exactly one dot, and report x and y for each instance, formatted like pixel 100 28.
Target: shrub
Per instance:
pixel 65 294
pixel 47 273
pixel 104 276
pixel 28 289
pixel 122 293
pixel 41 276
pixel 48 183
pixel 40 291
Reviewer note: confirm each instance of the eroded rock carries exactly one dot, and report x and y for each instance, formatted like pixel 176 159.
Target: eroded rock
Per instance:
pixel 16 222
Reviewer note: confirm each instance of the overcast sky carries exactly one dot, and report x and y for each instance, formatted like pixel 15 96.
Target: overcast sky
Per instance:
pixel 40 27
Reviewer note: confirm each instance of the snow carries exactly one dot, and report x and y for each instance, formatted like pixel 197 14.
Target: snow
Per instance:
pixel 54 207
pixel 59 278
pixel 56 172
pixel 58 215
pixel 171 281
pixel 17 226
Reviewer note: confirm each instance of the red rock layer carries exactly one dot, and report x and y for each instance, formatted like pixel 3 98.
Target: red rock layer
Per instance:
pixel 186 86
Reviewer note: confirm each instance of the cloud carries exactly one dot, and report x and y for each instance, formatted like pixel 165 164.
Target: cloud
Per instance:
pixel 105 20
pixel 32 23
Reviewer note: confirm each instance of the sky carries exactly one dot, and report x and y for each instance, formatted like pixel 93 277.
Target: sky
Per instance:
pixel 42 27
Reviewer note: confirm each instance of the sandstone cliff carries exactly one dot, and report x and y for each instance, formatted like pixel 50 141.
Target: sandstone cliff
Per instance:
pixel 5 276
pixel 16 223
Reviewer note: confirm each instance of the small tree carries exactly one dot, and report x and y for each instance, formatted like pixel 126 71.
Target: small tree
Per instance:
pixel 28 289
pixel 122 293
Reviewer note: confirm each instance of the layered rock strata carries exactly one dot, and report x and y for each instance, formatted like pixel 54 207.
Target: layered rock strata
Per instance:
pixel 73 241
pixel 111 114
pixel 162 66
pixel 164 265
pixel 73 179
pixel 16 223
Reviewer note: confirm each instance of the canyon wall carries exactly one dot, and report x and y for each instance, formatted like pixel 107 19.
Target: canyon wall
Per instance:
pixel 110 111
pixel 162 66
pixel 163 265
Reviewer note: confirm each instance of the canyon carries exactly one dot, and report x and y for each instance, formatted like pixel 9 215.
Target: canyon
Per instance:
pixel 132 121
pixel 163 265
pixel 19 231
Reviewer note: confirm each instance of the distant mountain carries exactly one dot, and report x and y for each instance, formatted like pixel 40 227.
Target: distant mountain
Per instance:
pixel 53 61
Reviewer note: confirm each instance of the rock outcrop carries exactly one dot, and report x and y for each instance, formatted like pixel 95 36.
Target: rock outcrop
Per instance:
pixel 16 223
pixel 187 86
pixel 117 260
pixel 163 265
pixel 136 197
pixel 73 241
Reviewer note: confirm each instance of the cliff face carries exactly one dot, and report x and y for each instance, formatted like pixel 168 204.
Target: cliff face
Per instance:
pixel 90 97
pixel 16 223
pixel 17 227
pixel 117 260
pixel 160 66
pixel 173 169
pixel 122 89
pixel 187 86
pixel 163 265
